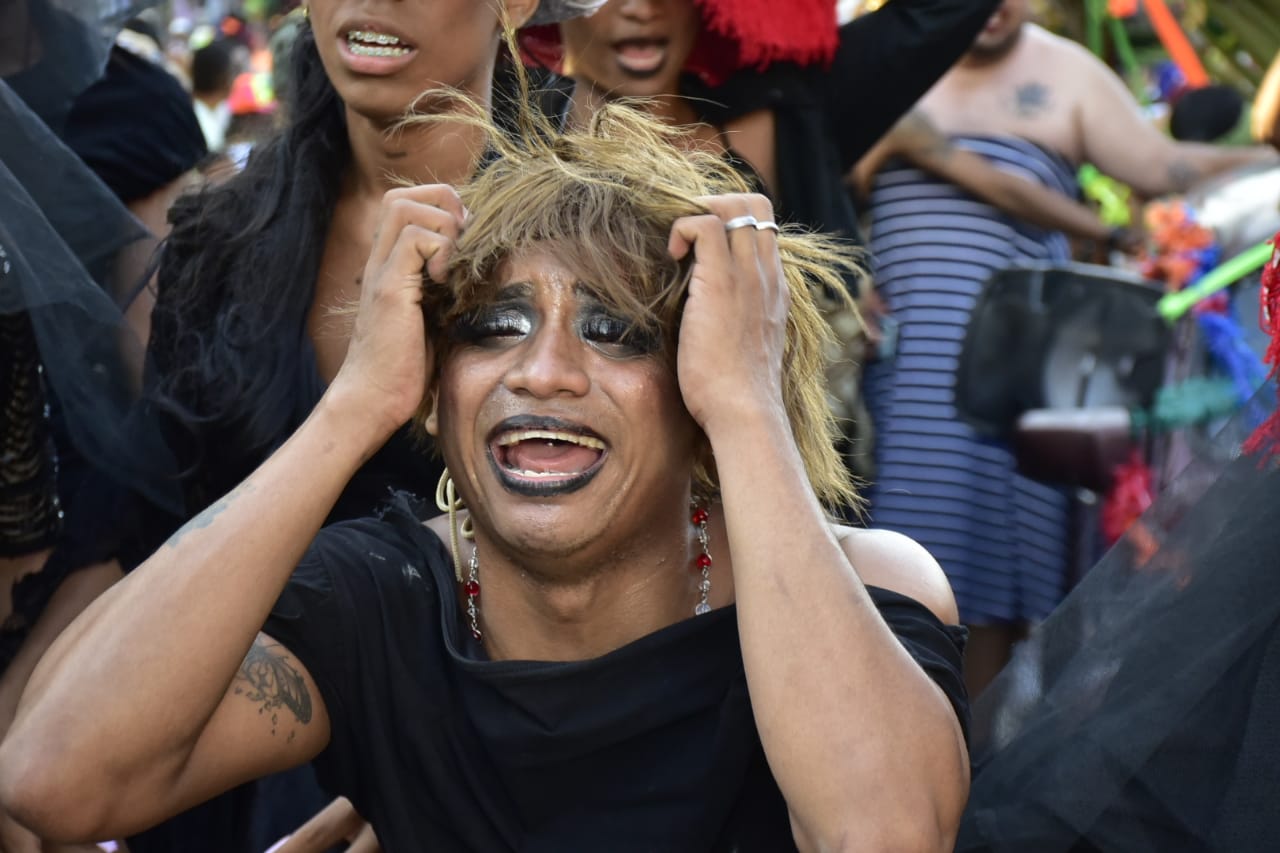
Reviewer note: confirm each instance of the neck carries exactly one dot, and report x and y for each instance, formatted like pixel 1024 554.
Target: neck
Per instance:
pixel 670 108
pixel 527 614
pixel 384 157
pixel 978 59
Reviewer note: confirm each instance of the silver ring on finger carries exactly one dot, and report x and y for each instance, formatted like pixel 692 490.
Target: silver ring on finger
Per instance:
pixel 768 225
pixel 741 222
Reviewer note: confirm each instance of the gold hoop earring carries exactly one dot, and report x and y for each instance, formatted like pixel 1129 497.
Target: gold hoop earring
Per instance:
pixel 447 500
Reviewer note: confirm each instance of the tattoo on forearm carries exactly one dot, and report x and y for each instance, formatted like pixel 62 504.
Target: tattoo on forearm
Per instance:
pixel 205 518
pixel 1182 175
pixel 266 677
pixel 1031 100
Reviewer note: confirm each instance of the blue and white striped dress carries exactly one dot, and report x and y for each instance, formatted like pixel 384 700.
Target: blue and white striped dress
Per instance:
pixel 1000 537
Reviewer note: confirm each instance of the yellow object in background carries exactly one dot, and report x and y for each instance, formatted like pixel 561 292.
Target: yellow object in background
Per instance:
pixel 1111 196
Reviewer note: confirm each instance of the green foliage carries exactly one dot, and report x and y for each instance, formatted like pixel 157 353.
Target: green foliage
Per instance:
pixel 1244 35
pixel 1237 39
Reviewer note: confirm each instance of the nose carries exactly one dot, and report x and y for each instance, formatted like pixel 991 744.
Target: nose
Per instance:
pixel 640 10
pixel 551 363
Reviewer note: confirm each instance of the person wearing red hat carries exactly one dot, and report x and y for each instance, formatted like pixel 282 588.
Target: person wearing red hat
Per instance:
pixel 778 85
pixel 778 88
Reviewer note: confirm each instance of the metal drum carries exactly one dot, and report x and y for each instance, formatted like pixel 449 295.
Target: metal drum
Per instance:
pixel 1059 336
pixel 1054 359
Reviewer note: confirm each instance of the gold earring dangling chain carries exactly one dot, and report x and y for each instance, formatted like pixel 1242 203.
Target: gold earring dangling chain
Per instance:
pixel 447 500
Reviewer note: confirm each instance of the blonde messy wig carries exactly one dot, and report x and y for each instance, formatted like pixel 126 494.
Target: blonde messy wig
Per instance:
pixel 603 199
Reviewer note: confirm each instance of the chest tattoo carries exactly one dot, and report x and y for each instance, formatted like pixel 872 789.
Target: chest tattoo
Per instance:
pixel 1031 100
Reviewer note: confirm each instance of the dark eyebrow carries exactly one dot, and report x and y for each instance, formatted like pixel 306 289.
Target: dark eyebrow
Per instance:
pixel 524 290
pixel 585 291
pixel 515 290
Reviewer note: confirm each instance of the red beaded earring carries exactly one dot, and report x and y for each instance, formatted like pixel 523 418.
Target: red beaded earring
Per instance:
pixel 703 561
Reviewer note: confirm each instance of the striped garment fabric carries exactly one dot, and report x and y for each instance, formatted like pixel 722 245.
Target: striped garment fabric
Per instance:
pixel 1000 537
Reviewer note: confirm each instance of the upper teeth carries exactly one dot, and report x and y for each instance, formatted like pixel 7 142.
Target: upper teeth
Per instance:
pixel 550 435
pixel 372 38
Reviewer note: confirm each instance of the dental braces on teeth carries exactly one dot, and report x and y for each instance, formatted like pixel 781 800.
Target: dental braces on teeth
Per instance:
pixel 364 43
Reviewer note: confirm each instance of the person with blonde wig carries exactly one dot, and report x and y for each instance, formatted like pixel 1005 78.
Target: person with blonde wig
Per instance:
pixel 635 628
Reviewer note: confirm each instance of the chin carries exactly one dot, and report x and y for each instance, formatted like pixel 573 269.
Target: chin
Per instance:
pixel 997 44
pixel 648 88
pixel 539 532
pixel 380 104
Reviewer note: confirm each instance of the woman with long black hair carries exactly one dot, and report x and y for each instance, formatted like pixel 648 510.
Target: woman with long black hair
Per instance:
pixel 243 340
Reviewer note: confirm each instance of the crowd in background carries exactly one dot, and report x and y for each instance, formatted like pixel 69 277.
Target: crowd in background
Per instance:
pixel 957 143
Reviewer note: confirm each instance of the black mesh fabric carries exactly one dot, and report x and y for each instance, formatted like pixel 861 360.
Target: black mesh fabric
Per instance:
pixel 1142 715
pixel 66 237
pixel 30 511
pixel 52 50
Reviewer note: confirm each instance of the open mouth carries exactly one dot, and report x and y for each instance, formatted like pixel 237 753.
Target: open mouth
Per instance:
pixel 542 457
pixel 641 57
pixel 369 43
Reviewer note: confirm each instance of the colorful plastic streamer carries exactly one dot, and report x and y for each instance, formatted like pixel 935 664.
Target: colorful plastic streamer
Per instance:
pixel 1174 305
pixel 1175 41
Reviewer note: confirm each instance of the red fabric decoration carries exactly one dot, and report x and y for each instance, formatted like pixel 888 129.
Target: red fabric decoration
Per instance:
pixel 1266 440
pixel 736 34
pixel 1129 498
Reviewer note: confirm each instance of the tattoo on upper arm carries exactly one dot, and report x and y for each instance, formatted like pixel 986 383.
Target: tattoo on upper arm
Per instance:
pixel 1031 100
pixel 267 677
pixel 205 518
pixel 1182 175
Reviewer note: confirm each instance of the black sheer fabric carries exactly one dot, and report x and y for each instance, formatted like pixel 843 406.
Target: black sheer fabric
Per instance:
pixel 70 249
pixel 66 236
pixel 651 747
pixel 1142 715
pixel 52 50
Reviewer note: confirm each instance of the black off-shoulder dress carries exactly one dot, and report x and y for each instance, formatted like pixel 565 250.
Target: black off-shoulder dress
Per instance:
pixel 651 747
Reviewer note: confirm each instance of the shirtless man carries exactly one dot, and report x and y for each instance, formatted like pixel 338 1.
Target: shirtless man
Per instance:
pixel 1000 537
pixel 1020 80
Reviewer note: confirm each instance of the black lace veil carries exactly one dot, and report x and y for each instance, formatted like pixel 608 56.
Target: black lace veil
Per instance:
pixel 74 253
pixel 52 50
pixel 1144 713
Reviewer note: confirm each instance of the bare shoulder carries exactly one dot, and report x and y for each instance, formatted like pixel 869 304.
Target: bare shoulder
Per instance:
pixel 439 525
pixel 900 564
pixel 1050 47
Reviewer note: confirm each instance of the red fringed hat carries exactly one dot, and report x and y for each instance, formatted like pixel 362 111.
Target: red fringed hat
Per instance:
pixel 1267 438
pixel 736 34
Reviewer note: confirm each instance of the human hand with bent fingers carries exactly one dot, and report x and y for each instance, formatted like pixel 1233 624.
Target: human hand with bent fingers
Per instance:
pixel 388 360
pixel 733 331
pixel 337 823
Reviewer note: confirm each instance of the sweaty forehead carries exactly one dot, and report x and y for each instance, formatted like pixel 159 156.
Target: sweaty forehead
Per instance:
pixel 513 291
pixel 539 264
pixel 525 271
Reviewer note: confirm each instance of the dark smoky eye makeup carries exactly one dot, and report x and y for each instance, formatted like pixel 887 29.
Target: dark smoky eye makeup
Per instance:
pixel 615 335
pixel 492 323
